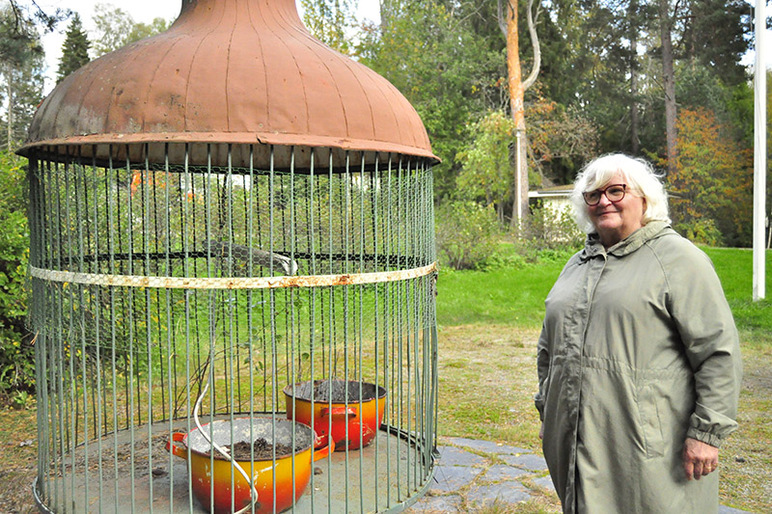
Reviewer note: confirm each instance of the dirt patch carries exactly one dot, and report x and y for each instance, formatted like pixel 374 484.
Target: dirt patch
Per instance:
pixel 487 378
pixel 745 460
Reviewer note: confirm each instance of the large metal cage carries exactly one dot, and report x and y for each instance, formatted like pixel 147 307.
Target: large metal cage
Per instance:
pixel 165 291
pixel 233 268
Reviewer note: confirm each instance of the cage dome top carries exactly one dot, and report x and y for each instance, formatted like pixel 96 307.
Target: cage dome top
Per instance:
pixel 227 71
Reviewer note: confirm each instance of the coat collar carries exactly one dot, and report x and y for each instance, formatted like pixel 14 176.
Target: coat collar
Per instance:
pixel 652 230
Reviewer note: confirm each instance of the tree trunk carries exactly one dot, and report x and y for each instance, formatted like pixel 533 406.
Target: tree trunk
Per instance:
pixel 634 121
pixel 517 88
pixel 668 77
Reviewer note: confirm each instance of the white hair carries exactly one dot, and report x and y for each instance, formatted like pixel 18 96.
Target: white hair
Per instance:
pixel 640 177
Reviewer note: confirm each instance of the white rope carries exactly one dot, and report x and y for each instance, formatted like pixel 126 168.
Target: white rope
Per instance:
pixel 215 446
pixel 139 281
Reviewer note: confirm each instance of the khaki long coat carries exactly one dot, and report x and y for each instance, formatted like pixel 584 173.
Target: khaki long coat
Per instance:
pixel 638 351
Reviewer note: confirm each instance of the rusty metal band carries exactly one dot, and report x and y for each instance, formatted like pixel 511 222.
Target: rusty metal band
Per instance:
pixel 97 279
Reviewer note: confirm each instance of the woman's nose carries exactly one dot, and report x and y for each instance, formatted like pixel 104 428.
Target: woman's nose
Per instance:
pixel 604 199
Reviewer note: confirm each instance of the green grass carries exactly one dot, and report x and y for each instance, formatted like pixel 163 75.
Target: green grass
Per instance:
pixel 507 296
pixel 515 295
pixel 735 269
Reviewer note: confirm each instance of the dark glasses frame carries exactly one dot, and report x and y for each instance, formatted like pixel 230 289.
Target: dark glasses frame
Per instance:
pixel 592 198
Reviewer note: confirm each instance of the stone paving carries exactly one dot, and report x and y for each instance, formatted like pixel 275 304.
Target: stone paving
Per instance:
pixel 483 472
pixel 471 474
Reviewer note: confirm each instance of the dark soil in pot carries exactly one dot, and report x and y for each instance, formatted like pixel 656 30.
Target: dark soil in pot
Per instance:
pixel 263 450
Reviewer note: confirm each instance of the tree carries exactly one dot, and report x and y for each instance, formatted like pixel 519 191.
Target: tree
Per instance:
pixel 331 22
pixel 600 84
pixel 487 172
pixel 20 72
pixel 711 182
pixel 24 92
pixel 559 134
pixel 633 18
pixel 517 88
pixel 115 28
pixel 668 79
pixel 74 49
pixel 682 28
pixel 448 62
pixel 727 23
pixel 18 28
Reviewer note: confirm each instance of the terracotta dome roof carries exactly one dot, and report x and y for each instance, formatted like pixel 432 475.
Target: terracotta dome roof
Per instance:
pixel 227 71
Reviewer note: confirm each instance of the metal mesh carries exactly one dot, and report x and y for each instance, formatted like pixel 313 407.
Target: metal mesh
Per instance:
pixel 153 281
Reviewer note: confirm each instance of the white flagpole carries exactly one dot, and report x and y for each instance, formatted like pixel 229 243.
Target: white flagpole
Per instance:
pixel 760 154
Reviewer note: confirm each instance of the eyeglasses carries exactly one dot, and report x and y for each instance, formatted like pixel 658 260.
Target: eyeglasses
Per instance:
pixel 615 193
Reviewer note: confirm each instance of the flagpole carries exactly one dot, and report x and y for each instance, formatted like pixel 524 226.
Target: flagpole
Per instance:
pixel 759 154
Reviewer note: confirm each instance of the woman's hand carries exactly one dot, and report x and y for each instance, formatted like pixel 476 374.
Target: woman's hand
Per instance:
pixel 541 431
pixel 700 459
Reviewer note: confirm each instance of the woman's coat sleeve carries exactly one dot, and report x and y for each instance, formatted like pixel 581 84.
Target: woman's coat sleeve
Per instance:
pixel 711 343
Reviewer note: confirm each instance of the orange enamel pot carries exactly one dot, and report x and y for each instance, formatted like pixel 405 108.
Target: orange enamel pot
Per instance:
pixel 348 413
pixel 203 469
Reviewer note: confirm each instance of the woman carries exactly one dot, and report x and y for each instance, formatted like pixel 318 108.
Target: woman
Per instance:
pixel 638 360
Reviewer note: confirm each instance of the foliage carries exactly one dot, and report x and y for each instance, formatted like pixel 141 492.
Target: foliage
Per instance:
pixel 702 231
pixel 726 21
pixel 17 370
pixel 115 28
pixel 74 49
pixel 20 39
pixel 699 86
pixel 487 172
pixel 331 22
pixel 712 183
pixel 467 234
pixel 550 228
pixel 448 61
pixel 29 13
pixel 21 65
pixel 560 139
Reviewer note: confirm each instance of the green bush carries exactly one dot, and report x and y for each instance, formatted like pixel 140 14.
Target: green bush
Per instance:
pixel 701 231
pixel 17 366
pixel 549 235
pixel 468 234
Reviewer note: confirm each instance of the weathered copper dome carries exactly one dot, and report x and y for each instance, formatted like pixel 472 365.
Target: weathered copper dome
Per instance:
pixel 226 72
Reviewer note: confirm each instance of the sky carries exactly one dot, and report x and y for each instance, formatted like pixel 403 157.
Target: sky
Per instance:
pixel 145 10
pixel 142 11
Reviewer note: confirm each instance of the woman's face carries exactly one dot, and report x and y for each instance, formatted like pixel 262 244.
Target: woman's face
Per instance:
pixel 615 221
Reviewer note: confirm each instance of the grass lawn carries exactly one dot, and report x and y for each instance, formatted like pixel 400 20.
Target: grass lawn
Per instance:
pixel 489 323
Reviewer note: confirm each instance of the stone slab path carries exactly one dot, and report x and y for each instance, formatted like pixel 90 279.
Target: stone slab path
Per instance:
pixel 472 474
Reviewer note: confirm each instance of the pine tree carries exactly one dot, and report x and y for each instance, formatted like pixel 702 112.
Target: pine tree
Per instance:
pixel 74 49
pixel 21 80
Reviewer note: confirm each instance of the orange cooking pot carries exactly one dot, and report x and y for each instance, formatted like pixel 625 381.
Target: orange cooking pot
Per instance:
pixel 203 469
pixel 350 414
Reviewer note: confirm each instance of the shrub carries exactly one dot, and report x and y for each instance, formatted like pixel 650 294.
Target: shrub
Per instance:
pixel 17 367
pixel 549 234
pixel 467 234
pixel 701 231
